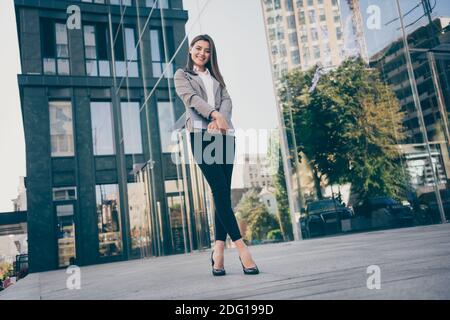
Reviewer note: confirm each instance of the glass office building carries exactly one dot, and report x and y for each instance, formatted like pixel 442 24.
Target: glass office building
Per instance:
pixel 99 107
pixel 404 44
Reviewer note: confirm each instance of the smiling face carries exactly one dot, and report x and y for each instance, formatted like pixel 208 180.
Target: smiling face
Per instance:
pixel 200 53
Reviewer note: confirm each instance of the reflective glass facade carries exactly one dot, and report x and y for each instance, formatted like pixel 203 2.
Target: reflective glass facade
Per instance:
pixel 364 106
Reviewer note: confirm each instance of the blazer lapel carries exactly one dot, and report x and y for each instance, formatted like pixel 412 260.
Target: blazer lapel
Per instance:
pixel 197 79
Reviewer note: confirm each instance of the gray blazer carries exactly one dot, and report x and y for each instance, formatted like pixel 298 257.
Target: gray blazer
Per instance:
pixel 191 90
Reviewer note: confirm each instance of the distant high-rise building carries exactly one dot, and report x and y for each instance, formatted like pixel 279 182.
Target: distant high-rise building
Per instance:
pixel 391 62
pixel 302 33
pixel 20 203
pixel 257 173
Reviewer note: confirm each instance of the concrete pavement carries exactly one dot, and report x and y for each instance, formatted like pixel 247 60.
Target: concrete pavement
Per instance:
pixel 414 264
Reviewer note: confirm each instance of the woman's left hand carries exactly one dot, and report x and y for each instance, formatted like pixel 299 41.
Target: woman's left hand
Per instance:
pixel 213 126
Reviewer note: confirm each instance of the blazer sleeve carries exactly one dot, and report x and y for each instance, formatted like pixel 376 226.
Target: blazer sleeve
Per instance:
pixel 189 96
pixel 226 105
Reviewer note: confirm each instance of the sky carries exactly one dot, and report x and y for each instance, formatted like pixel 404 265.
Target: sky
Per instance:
pixel 237 28
pixel 238 31
pixel 12 145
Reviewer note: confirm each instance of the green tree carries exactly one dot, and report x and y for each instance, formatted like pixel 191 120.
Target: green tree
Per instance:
pixel 275 234
pixel 348 128
pixel 255 215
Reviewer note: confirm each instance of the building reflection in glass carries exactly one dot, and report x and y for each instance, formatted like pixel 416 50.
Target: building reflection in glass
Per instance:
pixel 66 235
pixel 108 214
pixel 188 203
pixel 177 218
pixel 139 220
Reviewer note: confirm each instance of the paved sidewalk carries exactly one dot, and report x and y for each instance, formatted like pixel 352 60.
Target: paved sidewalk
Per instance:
pixel 414 263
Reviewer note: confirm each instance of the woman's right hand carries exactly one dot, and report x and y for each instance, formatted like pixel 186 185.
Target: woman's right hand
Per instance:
pixel 221 122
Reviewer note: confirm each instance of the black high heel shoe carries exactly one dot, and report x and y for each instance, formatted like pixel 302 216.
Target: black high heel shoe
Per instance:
pixel 216 272
pixel 252 270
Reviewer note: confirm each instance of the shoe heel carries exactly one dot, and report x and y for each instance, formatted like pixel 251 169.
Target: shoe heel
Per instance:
pixel 252 270
pixel 216 272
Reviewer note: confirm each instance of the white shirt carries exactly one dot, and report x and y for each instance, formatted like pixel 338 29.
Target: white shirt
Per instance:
pixel 209 85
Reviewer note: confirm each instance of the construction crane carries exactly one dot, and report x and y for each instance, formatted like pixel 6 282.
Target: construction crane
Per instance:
pixel 358 28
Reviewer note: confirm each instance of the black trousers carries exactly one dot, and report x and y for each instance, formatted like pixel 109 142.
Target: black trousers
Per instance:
pixel 214 153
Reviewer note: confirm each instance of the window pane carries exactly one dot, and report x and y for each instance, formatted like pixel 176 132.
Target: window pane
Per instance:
pixel 102 34
pixel 155 45
pixel 90 53
pixel 61 33
pixel 49 66
pixel 121 69
pixel 63 67
pixel 65 193
pixel 169 71
pixel 89 42
pixel 89 36
pixel 48 39
pixel 139 213
pixel 61 129
pixel 131 124
pixel 130 44
pixel 91 68
pixel 118 45
pixel 102 129
pixel 174 204
pixel 166 122
pixel 133 69
pixel 160 3
pixel 104 68
pixel 108 217
pixel 66 235
pixel 62 50
pixel 157 70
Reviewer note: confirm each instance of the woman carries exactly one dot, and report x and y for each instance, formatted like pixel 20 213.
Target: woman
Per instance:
pixel 208 120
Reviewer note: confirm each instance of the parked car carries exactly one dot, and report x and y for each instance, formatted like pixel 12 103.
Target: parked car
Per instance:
pixel 324 217
pixel 427 208
pixel 385 212
pixel 303 219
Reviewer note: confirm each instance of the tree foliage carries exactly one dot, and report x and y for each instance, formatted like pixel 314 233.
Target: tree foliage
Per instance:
pixel 255 215
pixel 348 127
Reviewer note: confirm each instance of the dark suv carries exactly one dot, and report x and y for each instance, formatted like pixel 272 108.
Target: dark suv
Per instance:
pixel 324 217
pixel 385 212
pixel 427 207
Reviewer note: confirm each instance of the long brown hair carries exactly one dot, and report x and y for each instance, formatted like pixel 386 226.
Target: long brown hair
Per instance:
pixel 212 64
